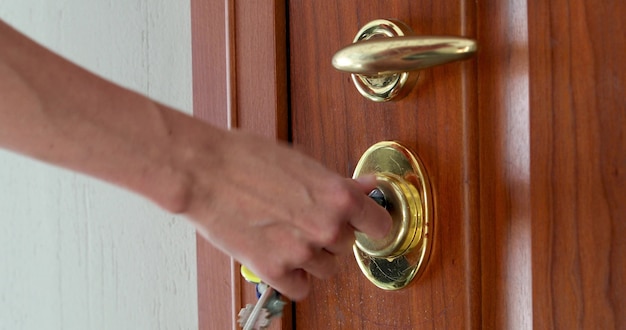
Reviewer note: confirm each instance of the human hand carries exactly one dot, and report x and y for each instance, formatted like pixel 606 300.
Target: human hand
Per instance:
pixel 279 212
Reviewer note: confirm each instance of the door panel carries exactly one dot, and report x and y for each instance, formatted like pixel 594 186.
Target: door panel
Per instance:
pixel 332 122
pixel 578 139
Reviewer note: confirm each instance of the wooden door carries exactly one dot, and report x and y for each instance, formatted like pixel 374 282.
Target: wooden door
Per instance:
pixel 332 122
pixel 524 145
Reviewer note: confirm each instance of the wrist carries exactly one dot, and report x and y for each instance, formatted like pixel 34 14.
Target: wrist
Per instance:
pixel 190 148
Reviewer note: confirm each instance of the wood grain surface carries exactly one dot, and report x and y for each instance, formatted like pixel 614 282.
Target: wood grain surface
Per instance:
pixel 578 164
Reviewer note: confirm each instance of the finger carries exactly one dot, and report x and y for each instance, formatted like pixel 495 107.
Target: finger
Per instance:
pixel 323 266
pixel 371 219
pixel 344 244
pixel 294 285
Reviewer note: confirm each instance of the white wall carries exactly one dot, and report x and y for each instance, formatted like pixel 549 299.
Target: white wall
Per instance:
pixel 76 253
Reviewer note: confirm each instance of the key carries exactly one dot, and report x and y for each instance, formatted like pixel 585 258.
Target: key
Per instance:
pixel 274 304
pixel 258 317
pixel 269 305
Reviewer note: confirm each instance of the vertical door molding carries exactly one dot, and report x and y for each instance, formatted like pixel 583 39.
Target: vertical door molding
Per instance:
pixel 239 82
pixel 504 129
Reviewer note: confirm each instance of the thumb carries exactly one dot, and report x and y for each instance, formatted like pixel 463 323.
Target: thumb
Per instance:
pixel 372 220
pixel 367 183
pixel 295 285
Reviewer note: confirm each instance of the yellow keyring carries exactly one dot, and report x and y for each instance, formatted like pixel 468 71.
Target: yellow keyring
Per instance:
pixel 249 276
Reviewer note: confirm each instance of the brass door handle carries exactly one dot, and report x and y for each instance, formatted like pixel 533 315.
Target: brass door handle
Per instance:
pixel 401 54
pixel 385 52
pixel 392 262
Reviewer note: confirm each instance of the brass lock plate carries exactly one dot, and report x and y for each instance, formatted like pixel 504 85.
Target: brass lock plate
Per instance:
pixel 392 262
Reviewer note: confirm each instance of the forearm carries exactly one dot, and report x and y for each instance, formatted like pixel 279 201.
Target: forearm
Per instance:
pixel 268 206
pixel 54 111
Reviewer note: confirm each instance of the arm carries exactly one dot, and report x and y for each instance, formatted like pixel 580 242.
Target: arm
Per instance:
pixel 268 206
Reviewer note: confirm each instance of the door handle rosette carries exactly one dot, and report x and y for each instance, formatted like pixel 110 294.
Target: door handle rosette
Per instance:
pixel 392 262
pixel 385 55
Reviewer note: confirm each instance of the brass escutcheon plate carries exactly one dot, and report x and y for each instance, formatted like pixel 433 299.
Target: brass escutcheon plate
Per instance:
pixel 391 263
pixel 385 58
pixel 384 87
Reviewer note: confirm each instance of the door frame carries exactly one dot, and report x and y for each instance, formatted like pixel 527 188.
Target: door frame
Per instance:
pixel 239 60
